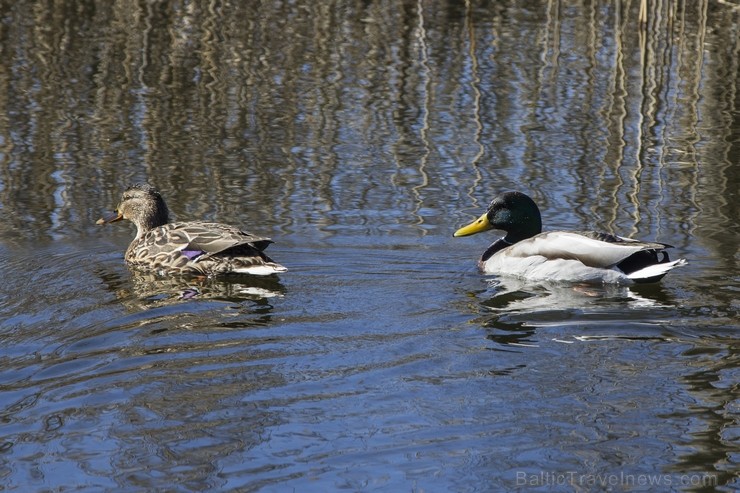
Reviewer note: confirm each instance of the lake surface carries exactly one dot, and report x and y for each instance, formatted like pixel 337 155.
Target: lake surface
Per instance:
pixel 359 136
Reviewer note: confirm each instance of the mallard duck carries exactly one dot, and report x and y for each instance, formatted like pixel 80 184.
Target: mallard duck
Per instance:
pixel 193 247
pixel 575 256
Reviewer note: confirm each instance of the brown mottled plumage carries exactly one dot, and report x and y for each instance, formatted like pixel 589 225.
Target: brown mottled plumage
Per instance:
pixel 193 247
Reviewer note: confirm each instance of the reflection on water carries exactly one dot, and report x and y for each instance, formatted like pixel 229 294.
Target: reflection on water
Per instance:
pixel 154 289
pixel 401 118
pixel 516 296
pixel 520 308
pixel 359 135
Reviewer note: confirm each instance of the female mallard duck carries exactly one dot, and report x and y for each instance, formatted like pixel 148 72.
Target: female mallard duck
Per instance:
pixel 576 256
pixel 193 247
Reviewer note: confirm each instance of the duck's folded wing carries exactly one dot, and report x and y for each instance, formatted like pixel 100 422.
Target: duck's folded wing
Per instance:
pixel 212 238
pixel 592 249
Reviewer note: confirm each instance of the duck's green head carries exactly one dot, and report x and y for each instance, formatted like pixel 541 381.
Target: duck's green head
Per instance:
pixel 513 212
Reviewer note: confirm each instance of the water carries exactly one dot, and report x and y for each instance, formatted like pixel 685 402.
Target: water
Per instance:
pixel 359 137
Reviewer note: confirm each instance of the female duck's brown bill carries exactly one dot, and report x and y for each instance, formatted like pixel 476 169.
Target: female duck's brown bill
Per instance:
pixel 111 217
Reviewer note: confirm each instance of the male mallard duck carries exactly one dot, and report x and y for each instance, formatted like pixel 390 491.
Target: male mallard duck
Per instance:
pixel 193 247
pixel 576 256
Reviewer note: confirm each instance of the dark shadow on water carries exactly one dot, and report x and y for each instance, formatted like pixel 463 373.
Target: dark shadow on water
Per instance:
pixel 509 334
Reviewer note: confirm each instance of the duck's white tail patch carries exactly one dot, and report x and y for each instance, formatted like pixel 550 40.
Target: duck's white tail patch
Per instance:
pixel 656 270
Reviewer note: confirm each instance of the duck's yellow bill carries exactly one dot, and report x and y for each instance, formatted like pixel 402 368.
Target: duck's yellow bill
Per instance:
pixel 110 218
pixel 480 224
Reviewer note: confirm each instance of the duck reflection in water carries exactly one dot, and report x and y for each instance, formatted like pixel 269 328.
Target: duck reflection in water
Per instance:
pixel 231 289
pixel 144 289
pixel 515 310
